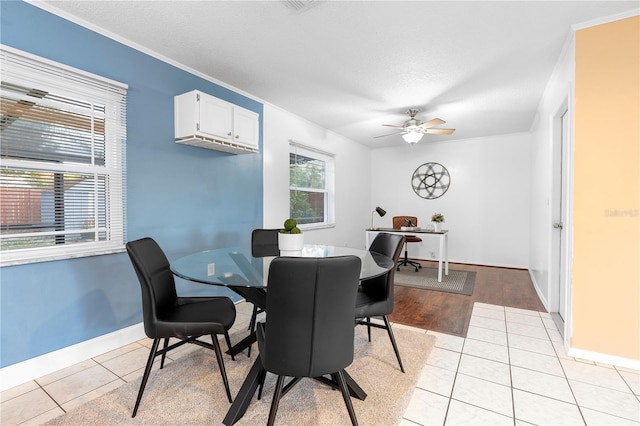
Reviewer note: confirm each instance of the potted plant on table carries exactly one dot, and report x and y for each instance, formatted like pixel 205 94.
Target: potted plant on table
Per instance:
pixel 290 238
pixel 437 219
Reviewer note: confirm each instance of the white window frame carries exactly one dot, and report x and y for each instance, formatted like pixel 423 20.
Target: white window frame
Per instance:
pixel 27 70
pixel 329 190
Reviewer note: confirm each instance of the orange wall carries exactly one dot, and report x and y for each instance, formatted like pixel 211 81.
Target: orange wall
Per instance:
pixel 606 263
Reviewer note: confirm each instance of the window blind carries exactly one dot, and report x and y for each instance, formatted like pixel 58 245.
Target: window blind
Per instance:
pixel 62 169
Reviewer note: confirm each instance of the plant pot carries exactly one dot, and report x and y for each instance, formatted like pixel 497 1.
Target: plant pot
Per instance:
pixel 290 242
pixel 437 226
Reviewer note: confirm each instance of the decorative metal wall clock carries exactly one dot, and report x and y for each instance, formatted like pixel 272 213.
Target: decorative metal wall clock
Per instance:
pixel 430 180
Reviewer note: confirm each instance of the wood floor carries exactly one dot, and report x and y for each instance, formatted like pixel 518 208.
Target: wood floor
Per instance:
pixel 450 313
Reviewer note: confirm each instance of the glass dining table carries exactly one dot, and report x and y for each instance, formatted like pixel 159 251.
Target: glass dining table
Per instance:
pixel 238 270
pixel 236 267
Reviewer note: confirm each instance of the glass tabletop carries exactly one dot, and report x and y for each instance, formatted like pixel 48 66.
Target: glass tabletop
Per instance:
pixel 235 267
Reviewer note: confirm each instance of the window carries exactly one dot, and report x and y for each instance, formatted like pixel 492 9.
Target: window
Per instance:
pixel 62 175
pixel 311 186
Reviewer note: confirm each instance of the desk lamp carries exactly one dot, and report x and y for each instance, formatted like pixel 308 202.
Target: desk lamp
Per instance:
pixel 378 210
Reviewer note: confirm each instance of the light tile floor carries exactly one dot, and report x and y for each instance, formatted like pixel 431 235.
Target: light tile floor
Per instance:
pixel 511 369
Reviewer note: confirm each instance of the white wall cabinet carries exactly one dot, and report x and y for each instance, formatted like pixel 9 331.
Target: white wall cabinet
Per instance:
pixel 205 121
pixel 245 126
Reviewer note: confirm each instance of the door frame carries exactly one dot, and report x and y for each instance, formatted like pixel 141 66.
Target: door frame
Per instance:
pixel 565 105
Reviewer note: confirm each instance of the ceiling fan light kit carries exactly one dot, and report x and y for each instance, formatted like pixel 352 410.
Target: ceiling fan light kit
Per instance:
pixel 413 129
pixel 413 136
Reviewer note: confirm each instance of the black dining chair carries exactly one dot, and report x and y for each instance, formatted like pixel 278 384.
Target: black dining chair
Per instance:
pixel 375 295
pixel 166 315
pixel 264 243
pixel 309 329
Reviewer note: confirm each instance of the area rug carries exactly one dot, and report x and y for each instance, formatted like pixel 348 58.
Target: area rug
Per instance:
pixel 461 282
pixel 189 391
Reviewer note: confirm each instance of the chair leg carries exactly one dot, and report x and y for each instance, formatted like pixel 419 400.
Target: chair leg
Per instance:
pixel 252 323
pixel 277 393
pixel 252 326
pixel 223 372
pixel 261 378
pixel 339 377
pixel 393 341
pixel 164 355
pixel 228 340
pixel 145 376
pixel 369 328
pixel 407 262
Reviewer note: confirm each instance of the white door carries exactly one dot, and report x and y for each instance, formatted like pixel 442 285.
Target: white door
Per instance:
pixel 562 287
pixel 559 250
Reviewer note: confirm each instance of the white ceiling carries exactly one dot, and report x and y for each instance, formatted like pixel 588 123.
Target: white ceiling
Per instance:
pixel 351 66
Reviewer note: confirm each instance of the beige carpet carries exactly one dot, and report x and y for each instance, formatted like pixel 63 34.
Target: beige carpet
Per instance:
pixel 189 391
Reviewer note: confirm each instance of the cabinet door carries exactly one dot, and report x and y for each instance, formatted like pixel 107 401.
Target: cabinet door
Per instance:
pixel 216 117
pixel 245 126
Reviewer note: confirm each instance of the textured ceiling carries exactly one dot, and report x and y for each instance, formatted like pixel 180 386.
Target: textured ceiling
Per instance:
pixel 351 66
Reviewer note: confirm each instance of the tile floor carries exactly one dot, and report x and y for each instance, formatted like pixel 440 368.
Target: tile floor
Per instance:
pixel 511 369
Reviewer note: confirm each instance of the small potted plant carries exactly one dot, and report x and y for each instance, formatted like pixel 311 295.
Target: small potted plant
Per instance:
pixel 290 238
pixel 437 219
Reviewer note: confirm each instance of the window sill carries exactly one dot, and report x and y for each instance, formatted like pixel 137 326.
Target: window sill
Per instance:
pixel 313 227
pixel 11 259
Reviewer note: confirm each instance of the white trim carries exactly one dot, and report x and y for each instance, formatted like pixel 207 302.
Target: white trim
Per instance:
pixel 315 226
pixel 42 365
pixel 605 19
pixel 536 287
pixel 617 361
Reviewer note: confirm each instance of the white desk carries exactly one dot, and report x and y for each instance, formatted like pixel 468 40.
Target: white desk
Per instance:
pixel 443 253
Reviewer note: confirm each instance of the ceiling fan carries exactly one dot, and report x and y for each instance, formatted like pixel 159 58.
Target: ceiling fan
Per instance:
pixel 413 129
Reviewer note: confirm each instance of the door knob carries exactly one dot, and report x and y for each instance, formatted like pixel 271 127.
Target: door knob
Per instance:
pixel 558 225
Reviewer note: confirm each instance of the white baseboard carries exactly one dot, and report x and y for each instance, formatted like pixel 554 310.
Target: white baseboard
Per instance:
pixel 617 361
pixel 467 262
pixel 584 354
pixel 536 286
pixel 22 372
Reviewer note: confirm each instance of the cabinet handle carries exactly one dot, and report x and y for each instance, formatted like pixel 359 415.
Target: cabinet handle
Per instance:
pixel 229 134
pixel 237 136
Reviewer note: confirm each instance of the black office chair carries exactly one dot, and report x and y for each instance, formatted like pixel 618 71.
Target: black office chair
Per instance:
pixel 375 295
pixel 411 221
pixel 166 315
pixel 309 330
pixel 264 243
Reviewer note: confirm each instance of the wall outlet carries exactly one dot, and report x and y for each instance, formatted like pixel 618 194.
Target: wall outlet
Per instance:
pixel 211 269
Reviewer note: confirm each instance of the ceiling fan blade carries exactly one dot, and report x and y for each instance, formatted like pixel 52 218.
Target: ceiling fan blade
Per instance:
pixel 431 123
pixel 391 125
pixel 439 131
pixel 390 134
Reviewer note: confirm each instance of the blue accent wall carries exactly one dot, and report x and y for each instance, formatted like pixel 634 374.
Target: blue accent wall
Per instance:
pixel 186 198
